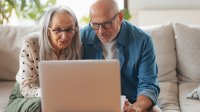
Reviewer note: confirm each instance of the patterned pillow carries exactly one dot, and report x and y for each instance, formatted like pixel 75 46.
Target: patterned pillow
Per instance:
pixel 195 94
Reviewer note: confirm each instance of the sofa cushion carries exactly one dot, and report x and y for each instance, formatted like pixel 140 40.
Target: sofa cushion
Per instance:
pixel 164 43
pixel 188 105
pixel 6 88
pixel 188 51
pixel 168 98
pixel 10 39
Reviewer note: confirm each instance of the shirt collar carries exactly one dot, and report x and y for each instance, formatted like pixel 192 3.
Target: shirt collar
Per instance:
pixel 53 56
pixel 123 34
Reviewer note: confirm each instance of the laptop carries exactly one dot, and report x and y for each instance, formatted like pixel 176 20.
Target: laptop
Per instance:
pixel 80 86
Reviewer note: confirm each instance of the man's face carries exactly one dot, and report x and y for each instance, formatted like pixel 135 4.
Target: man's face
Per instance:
pixel 106 26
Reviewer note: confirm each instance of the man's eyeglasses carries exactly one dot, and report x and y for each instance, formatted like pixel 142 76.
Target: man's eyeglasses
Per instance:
pixel 70 30
pixel 106 25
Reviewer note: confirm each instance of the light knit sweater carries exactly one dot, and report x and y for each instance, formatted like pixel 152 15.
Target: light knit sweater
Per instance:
pixel 27 76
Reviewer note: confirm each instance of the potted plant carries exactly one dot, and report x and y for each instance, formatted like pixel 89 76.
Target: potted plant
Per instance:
pixel 29 9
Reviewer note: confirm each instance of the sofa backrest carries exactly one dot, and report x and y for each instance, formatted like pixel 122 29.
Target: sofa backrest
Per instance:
pixel 10 41
pixel 188 52
pixel 164 44
pixel 177 49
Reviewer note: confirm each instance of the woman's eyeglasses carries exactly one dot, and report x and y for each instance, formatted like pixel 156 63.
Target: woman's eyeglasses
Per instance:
pixel 106 25
pixel 70 30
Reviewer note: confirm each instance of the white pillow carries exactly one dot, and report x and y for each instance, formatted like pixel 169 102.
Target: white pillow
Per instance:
pixel 188 51
pixel 195 94
pixel 164 44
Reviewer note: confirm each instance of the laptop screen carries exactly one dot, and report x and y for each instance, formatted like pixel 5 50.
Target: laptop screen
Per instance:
pixel 80 85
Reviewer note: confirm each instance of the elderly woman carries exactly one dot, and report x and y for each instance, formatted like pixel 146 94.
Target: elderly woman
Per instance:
pixel 58 40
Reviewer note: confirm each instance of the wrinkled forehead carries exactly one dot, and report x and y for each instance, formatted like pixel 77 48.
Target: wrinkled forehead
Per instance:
pixel 62 19
pixel 100 16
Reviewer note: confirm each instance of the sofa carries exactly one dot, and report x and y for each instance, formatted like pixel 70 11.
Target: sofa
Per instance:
pixel 177 49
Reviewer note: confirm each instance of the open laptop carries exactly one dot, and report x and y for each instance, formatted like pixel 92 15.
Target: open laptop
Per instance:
pixel 80 86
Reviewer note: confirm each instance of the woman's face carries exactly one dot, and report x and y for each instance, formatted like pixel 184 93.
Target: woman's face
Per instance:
pixel 61 30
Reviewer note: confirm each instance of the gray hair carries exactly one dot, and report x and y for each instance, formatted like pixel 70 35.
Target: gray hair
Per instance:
pixel 74 50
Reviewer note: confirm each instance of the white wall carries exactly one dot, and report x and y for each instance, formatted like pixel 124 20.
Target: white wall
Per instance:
pixel 150 12
pixel 164 4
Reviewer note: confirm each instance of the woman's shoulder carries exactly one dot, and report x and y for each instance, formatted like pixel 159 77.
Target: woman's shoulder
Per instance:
pixel 31 38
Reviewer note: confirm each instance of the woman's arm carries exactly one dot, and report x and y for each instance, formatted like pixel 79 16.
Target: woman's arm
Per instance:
pixel 27 76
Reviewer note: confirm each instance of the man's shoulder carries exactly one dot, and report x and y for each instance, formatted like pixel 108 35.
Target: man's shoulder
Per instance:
pixel 87 34
pixel 86 30
pixel 134 31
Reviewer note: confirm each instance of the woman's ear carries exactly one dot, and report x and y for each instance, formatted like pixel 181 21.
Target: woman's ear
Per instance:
pixel 48 33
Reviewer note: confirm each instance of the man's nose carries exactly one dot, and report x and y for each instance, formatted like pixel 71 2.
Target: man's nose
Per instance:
pixel 101 28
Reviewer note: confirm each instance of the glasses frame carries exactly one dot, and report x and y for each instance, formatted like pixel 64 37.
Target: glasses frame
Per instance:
pixel 105 25
pixel 63 30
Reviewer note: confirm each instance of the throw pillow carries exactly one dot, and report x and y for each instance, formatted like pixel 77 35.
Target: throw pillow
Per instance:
pixel 188 53
pixel 164 44
pixel 195 94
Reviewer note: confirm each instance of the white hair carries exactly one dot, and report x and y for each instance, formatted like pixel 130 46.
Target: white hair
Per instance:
pixel 74 50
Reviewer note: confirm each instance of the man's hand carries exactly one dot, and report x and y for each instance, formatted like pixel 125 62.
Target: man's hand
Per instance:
pixel 131 107
pixel 142 104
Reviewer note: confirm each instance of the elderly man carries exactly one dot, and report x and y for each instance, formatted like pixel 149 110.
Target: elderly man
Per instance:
pixel 109 36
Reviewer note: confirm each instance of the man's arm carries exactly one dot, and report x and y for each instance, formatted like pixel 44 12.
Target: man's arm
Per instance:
pixel 148 88
pixel 142 103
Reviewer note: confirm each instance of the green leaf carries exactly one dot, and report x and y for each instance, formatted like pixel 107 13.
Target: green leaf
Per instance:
pixel 38 5
pixel 23 4
pixel 50 3
pixel 32 15
pixel 85 19
pixel 28 9
pixel 11 2
pixel 127 15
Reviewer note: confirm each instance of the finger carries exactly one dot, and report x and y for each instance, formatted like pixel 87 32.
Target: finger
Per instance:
pixel 126 103
pixel 135 109
pixel 125 109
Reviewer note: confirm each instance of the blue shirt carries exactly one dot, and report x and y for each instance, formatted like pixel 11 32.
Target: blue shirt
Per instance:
pixel 136 56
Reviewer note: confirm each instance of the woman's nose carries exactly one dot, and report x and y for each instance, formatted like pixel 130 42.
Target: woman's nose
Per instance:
pixel 64 35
